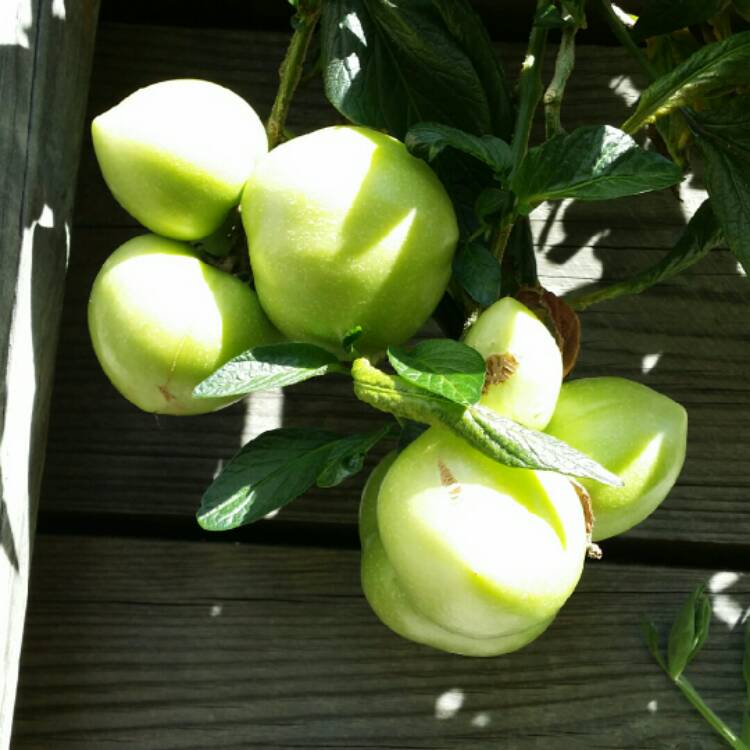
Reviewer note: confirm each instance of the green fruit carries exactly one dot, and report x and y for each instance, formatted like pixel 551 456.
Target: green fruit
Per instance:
pixel 633 431
pixel 523 360
pixel 347 229
pixel 161 321
pixel 464 554
pixel 177 154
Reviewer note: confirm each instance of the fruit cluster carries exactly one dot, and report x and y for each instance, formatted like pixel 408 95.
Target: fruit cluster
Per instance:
pixel 348 231
pixel 473 557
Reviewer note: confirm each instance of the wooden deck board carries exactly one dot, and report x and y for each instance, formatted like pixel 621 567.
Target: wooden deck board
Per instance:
pixel 173 645
pixel 45 58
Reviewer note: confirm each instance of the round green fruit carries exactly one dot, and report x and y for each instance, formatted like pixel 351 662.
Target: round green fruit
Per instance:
pixel 177 154
pixel 464 554
pixel 524 364
pixel 633 431
pixel 161 321
pixel 347 229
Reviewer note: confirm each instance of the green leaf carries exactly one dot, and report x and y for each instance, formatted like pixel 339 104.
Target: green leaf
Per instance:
pixel 347 456
pixel 524 448
pixel 715 66
pixel 265 367
pixel 478 272
pixel 651 636
pixel 591 163
pixel 445 367
pixel 723 136
pixel 689 632
pixel 491 202
pixel 664 16
pixel 277 467
pixel 495 436
pixel 429 139
pixel 468 30
pixel 390 64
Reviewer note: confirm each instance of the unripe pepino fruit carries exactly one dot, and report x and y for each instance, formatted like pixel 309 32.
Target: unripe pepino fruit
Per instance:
pixel 524 364
pixel 464 554
pixel 632 430
pixel 177 154
pixel 161 321
pixel 346 228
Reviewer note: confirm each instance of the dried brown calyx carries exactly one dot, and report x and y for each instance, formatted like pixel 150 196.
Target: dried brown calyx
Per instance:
pixel 559 317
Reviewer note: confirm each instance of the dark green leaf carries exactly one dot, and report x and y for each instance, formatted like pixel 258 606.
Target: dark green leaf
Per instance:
pixel 651 636
pixel 495 436
pixel 716 66
pixel 445 367
pixel 724 139
pixel 478 272
pixel 429 139
pixel 277 467
pixel 519 261
pixel 689 631
pixel 347 456
pixel 265 367
pixel 467 29
pixel 664 16
pixel 391 64
pixel 490 203
pixel 701 235
pixel 591 163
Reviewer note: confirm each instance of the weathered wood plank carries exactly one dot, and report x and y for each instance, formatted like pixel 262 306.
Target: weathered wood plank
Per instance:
pixel 687 338
pixel 45 58
pixel 156 645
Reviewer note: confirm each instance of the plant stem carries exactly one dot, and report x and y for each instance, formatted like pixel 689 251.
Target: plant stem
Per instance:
pixel 553 96
pixel 715 722
pixel 627 41
pixel 530 89
pixel 290 71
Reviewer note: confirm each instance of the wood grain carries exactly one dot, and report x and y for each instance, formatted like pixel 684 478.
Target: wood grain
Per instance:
pixel 687 338
pixel 45 57
pixel 149 645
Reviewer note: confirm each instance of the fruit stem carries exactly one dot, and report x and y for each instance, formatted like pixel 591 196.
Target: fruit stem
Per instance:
pixel 564 64
pixel 290 72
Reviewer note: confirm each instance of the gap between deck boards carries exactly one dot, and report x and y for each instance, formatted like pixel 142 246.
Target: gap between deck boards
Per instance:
pixel 617 551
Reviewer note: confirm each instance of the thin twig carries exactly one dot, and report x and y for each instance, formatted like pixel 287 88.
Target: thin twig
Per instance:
pixel 290 71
